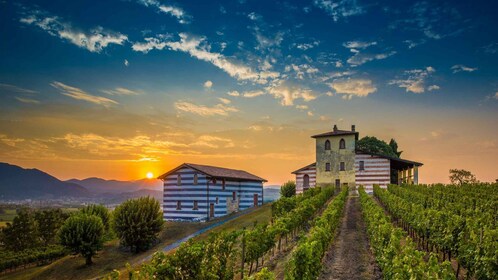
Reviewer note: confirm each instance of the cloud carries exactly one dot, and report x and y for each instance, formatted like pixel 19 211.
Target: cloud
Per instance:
pixel 233 93
pixel 352 86
pixel 197 47
pixel 491 48
pixel 462 68
pixel 224 100
pixel 360 58
pixel 79 94
pixel 94 40
pixel 4 88
pixel 122 91
pixel 27 100
pixel 340 9
pixel 287 94
pixel 174 11
pixel 415 80
pixel 202 110
pixel 302 70
pixel 208 84
pixel 126 63
pixel 307 46
pixel 254 93
pixel 496 95
pixel 358 44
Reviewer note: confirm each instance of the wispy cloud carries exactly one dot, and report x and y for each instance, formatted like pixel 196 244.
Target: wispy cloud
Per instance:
pixel 198 47
pixel 462 68
pixel 4 88
pixel 126 62
pixel 358 44
pixel 415 80
pixel 361 56
pixel 79 94
pixel 94 40
pixel 202 110
pixel 27 100
pixel 172 10
pixel 122 91
pixel 353 87
pixel 287 94
pixel 340 9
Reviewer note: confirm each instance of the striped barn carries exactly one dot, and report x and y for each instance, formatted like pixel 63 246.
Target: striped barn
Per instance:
pixel 194 192
pixel 305 178
pixel 340 163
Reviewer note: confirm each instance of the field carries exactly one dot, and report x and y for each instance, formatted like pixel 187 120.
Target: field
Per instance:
pixel 115 257
pixel 6 216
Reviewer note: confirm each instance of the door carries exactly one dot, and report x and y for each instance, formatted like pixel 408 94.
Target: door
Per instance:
pixel 255 199
pixel 306 182
pixel 211 210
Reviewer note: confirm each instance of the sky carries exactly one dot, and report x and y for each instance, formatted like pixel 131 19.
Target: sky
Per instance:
pixel 116 89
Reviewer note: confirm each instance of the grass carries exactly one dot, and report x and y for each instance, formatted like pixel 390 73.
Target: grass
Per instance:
pixel 115 257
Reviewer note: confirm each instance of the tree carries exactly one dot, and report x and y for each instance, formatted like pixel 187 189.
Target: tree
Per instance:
pixel 288 189
pixel 100 211
pixel 394 147
pixel 22 233
pixel 83 234
pixel 49 222
pixel 375 146
pixel 461 176
pixel 137 222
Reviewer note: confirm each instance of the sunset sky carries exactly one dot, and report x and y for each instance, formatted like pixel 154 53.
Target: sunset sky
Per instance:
pixel 117 89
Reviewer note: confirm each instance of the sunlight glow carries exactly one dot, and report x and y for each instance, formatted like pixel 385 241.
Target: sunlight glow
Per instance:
pixel 149 175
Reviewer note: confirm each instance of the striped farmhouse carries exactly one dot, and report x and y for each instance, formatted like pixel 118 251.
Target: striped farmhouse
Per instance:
pixel 339 163
pixel 194 192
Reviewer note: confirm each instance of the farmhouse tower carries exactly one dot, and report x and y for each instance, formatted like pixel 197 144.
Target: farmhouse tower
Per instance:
pixel 335 157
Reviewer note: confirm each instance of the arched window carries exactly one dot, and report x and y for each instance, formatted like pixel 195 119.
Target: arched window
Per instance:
pixel 306 182
pixel 327 145
pixel 179 180
pixel 195 179
pixel 342 144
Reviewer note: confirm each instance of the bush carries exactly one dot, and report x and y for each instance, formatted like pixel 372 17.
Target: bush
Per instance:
pixel 83 234
pixel 288 189
pixel 100 211
pixel 137 222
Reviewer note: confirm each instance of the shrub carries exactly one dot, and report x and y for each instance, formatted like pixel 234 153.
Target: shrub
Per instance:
pixel 288 189
pixel 100 211
pixel 137 222
pixel 83 234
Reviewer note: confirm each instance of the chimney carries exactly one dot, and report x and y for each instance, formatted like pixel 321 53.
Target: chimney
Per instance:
pixel 353 127
pixel 335 127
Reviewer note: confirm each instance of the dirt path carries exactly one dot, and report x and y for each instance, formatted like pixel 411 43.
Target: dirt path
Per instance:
pixel 350 256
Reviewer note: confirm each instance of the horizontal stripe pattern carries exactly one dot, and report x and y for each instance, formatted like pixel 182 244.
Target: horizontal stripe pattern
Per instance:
pixel 377 171
pixel 311 172
pixel 188 192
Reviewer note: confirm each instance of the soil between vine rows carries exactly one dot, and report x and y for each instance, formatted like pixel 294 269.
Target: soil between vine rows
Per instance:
pixel 350 257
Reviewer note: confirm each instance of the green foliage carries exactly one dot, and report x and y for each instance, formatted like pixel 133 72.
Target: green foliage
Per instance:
pixel 137 222
pixel 398 261
pixel 49 221
pixel 83 234
pixel 100 211
pixel 22 233
pixel 263 274
pixel 288 189
pixel 394 146
pixel 306 260
pixel 373 145
pixel 461 177
pixel 14 259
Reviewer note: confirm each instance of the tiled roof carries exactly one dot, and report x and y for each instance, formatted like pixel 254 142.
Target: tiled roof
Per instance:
pixel 313 165
pixel 334 133
pixel 218 172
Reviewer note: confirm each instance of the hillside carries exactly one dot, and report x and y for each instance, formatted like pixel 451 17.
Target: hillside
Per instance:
pixel 19 183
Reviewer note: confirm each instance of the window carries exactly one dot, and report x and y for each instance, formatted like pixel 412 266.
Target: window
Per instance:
pixel 327 145
pixel 179 180
pixel 342 144
pixel 217 200
pixel 223 184
pixel 362 165
pixel 327 166
pixel 341 166
pixel 196 207
pixel 234 196
pixel 178 205
pixel 195 179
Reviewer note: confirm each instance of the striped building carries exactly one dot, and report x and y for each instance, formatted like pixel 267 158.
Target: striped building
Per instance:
pixel 194 192
pixel 340 163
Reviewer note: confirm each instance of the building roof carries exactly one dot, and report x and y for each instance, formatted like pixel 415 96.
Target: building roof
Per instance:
pixel 305 168
pixel 217 172
pixel 398 163
pixel 335 133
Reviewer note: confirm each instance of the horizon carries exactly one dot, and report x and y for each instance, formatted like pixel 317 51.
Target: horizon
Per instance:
pixel 119 89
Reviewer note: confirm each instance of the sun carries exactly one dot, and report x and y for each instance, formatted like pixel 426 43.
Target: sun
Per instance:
pixel 149 175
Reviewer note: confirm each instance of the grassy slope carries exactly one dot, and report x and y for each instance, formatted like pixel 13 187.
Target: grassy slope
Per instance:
pixel 114 257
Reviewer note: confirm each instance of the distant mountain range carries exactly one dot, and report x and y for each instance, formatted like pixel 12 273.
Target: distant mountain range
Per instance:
pixel 20 183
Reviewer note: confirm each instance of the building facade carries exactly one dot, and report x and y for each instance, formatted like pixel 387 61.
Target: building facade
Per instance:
pixel 339 163
pixel 194 192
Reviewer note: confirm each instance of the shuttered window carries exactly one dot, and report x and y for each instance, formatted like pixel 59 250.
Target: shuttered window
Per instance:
pixel 342 166
pixel 327 166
